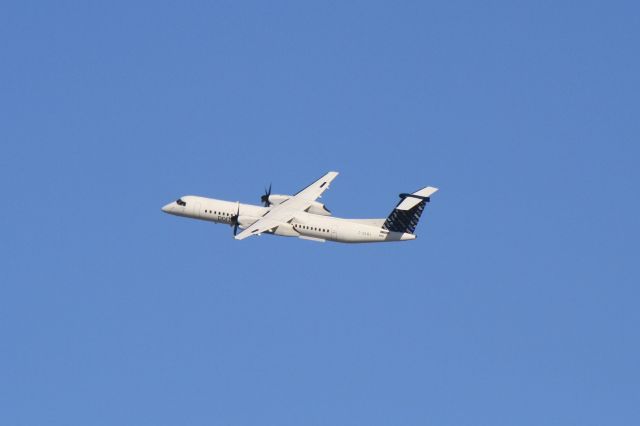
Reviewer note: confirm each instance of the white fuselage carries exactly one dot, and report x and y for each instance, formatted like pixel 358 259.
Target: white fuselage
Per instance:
pixel 304 225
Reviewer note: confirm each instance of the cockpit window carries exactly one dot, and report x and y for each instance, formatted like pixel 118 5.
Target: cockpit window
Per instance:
pixel 180 202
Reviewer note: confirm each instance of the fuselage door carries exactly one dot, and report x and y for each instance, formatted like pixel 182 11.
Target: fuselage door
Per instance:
pixel 195 210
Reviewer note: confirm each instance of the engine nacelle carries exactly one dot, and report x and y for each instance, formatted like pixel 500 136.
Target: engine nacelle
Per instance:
pixel 246 221
pixel 276 199
pixel 286 230
pixel 319 209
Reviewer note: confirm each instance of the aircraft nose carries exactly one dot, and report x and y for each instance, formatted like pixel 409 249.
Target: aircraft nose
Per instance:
pixel 168 208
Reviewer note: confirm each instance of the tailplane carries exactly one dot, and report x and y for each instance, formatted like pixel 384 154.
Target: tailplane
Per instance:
pixel 405 217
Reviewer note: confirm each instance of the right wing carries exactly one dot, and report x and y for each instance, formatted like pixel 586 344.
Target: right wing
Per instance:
pixel 316 189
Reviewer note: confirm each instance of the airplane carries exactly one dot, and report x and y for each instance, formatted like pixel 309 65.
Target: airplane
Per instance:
pixel 301 215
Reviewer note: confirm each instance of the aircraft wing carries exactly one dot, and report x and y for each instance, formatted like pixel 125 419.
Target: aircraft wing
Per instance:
pixel 287 210
pixel 316 189
pixel 260 226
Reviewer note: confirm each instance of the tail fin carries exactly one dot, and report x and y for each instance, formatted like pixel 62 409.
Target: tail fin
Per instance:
pixel 405 217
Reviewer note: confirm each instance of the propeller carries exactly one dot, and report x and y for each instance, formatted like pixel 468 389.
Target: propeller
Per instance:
pixel 235 220
pixel 265 197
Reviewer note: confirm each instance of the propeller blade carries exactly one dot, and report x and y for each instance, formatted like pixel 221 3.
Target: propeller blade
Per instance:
pixel 265 197
pixel 235 220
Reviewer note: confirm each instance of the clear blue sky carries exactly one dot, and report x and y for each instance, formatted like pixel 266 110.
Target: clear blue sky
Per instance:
pixel 518 303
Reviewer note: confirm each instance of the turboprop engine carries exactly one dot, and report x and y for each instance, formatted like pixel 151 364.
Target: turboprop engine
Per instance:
pixel 319 209
pixel 286 230
pixel 246 221
pixel 275 199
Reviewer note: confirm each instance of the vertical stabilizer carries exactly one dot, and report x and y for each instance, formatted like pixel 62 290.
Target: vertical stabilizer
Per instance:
pixel 405 217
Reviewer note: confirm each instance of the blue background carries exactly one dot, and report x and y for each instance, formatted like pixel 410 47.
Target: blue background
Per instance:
pixel 518 303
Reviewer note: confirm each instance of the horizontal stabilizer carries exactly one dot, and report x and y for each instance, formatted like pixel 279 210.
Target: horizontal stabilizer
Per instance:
pixel 411 200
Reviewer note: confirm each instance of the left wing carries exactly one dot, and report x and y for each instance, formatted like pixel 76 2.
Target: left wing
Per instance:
pixel 287 210
pixel 258 227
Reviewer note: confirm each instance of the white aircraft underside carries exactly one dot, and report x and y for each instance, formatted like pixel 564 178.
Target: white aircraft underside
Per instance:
pixel 301 216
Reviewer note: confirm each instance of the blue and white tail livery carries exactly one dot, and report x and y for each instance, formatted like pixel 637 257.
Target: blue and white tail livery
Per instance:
pixel 301 215
pixel 405 217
